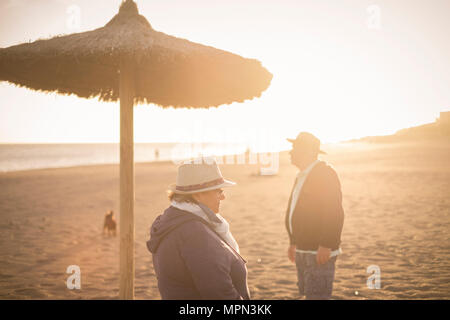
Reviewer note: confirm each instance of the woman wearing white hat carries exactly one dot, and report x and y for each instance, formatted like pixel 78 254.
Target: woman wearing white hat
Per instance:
pixel 194 253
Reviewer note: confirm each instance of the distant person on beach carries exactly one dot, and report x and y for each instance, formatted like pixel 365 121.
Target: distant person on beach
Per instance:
pixel 314 219
pixel 194 253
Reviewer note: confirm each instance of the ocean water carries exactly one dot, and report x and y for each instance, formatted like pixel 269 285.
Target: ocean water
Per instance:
pixel 17 157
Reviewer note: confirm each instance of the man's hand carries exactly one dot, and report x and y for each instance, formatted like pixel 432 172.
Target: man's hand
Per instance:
pixel 323 255
pixel 291 253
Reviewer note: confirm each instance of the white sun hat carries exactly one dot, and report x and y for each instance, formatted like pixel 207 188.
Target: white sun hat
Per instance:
pixel 198 175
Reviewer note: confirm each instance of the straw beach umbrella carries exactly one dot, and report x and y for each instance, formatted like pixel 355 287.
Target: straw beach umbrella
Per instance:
pixel 128 60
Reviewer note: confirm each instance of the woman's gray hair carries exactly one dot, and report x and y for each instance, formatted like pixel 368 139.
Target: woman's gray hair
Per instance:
pixel 180 198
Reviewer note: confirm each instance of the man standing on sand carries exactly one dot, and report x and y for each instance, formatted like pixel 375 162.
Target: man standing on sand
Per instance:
pixel 314 219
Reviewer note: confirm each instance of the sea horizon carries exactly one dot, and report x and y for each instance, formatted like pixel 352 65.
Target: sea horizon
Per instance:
pixel 30 156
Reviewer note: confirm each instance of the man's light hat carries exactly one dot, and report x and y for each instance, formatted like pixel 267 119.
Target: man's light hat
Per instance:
pixel 307 141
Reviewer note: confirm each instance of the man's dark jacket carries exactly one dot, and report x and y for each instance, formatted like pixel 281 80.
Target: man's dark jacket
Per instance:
pixel 318 216
pixel 192 262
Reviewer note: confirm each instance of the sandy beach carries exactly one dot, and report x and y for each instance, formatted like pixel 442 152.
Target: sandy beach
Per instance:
pixel 396 199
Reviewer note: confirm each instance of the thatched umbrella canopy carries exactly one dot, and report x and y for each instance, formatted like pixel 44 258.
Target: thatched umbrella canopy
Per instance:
pixel 127 60
pixel 167 71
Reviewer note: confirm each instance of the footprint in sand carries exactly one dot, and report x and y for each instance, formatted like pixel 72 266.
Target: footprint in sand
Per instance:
pixel 283 282
pixel 31 292
pixel 47 285
pixel 395 288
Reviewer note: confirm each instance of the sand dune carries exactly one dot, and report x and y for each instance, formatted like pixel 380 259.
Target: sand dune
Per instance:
pixel 397 216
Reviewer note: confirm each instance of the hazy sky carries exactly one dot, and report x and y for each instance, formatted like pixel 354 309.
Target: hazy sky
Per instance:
pixel 342 69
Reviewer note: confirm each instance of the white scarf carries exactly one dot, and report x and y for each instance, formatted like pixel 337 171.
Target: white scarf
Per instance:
pixel 222 227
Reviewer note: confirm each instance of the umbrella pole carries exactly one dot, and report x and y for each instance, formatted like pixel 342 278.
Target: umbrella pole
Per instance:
pixel 126 92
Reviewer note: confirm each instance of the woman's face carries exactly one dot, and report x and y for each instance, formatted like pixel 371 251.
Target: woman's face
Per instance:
pixel 211 199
